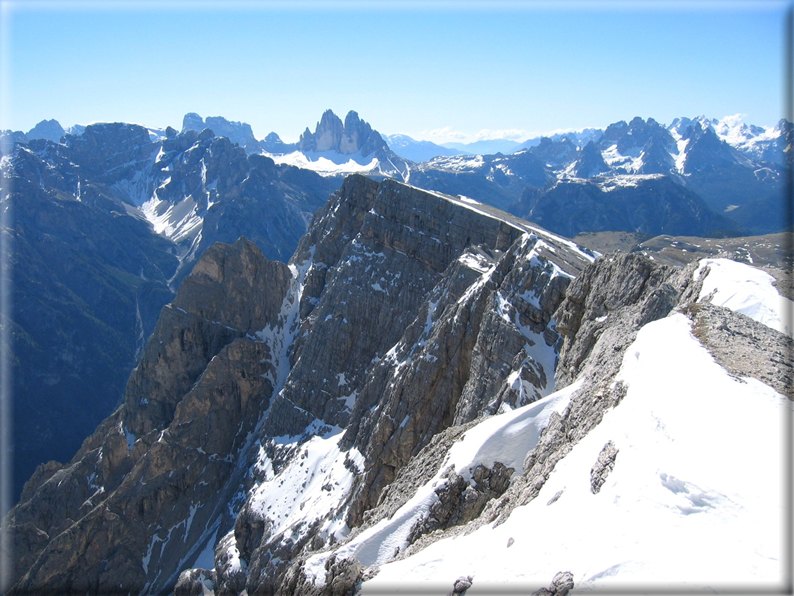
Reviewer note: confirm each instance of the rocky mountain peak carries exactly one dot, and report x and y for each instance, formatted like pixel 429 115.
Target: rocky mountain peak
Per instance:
pixel 326 136
pixel 110 151
pixel 50 130
pixel 348 138
pixel 614 131
pixel 590 162
pixel 656 156
pixel 706 152
pixel 237 132
pixel 555 152
pixel 631 138
pixel 272 143
pixel 192 121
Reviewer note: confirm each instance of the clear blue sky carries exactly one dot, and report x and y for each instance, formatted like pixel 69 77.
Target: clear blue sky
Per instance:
pixel 528 67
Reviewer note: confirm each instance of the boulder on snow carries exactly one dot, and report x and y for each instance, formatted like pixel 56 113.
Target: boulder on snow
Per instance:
pixel 461 585
pixel 603 466
pixel 561 584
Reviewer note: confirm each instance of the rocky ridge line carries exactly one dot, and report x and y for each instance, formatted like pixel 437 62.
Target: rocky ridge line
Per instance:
pixel 270 379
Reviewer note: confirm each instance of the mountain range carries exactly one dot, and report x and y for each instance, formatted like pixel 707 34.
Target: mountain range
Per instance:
pixel 274 375
pixel 738 170
pixel 105 226
pixel 426 394
pixel 170 195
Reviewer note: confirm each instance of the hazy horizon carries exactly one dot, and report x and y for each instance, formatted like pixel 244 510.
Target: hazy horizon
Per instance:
pixel 443 72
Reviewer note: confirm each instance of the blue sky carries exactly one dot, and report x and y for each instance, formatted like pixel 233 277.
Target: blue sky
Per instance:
pixel 441 71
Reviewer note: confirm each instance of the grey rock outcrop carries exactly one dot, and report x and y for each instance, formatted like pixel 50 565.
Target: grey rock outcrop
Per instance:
pixel 151 485
pixel 744 347
pixel 603 466
pixel 343 577
pixel 461 585
pixel 561 584
pixel 459 501
pixel 194 582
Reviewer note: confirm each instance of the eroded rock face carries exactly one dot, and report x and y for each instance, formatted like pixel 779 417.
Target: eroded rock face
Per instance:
pixel 459 501
pixel 352 136
pixel 561 584
pixel 160 470
pixel 233 291
pixel 402 314
pixel 604 308
pixel 603 466
pixel 343 577
pixel 482 341
pixel 109 152
pixel 626 287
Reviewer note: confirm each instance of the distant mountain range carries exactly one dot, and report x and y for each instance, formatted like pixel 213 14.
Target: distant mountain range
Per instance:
pixel 757 142
pixel 735 168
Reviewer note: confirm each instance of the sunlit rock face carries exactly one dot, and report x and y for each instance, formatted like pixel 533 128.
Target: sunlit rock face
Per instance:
pixel 418 371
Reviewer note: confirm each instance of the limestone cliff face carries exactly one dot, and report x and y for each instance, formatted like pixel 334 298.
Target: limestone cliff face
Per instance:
pixel 402 314
pixel 367 285
pixel 155 479
pixel 106 226
pixel 479 344
pixel 599 317
pixel 417 311
pixel 352 136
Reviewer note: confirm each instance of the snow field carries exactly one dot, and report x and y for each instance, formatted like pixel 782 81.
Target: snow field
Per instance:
pixel 323 162
pixel 312 485
pixel 746 290
pixel 506 438
pixel 695 499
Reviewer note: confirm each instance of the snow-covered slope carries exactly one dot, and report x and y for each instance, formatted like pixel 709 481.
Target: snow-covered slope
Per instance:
pixel 757 142
pixel 333 163
pixel 687 505
pixel 746 290
pixel 506 438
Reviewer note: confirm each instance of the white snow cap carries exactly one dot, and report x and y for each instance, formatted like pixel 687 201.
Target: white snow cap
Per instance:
pixel 695 500
pixel 747 290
